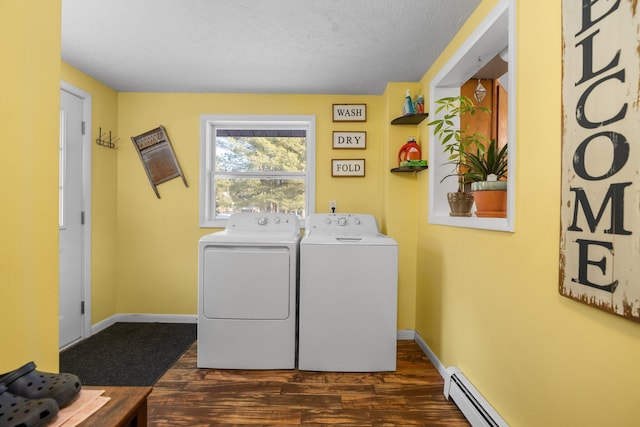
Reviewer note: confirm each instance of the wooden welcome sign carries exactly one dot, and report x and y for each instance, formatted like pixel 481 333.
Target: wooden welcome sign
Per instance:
pixel 600 214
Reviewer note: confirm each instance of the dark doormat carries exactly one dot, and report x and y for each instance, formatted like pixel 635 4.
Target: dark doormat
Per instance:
pixel 128 354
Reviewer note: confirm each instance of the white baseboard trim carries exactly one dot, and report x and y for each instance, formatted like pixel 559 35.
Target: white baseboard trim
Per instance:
pixel 143 318
pixel 403 334
pixel 406 334
pixel 442 370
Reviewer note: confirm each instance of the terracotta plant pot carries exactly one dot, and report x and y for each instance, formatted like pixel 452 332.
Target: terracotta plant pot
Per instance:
pixel 491 203
pixel 491 198
pixel 460 203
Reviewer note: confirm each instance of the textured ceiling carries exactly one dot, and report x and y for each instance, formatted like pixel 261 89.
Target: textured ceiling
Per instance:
pixel 258 46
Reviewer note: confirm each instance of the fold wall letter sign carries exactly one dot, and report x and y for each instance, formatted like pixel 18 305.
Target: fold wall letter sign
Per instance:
pixel 157 156
pixel 347 167
pixel 600 220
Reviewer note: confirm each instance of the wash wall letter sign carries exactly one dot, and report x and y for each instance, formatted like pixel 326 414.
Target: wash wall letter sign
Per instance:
pixel 349 140
pixel 600 219
pixel 349 112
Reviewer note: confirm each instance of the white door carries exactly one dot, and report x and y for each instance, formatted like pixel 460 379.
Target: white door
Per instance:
pixel 70 219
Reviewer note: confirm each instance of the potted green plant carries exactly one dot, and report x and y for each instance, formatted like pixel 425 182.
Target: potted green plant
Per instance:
pixel 457 142
pixel 487 169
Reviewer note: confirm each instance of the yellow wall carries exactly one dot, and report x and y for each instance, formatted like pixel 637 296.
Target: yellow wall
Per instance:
pixel 400 217
pixel 133 273
pixel 157 238
pixel 539 358
pixel 104 193
pixel 488 302
pixel 29 110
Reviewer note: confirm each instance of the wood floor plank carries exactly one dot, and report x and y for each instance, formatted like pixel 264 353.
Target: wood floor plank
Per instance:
pixel 399 389
pixel 258 415
pixel 359 417
pixel 325 388
pixel 342 377
pixel 229 387
pixel 271 401
pixel 432 418
pixel 410 396
pixel 236 416
pixel 241 375
pixel 368 401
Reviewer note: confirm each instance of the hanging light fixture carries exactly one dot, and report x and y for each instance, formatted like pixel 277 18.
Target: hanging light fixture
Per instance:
pixel 480 92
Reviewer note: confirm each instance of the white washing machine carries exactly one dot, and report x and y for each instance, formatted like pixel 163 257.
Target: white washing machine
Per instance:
pixel 348 295
pixel 247 292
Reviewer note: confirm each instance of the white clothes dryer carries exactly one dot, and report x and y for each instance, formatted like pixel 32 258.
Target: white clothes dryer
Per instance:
pixel 247 293
pixel 348 295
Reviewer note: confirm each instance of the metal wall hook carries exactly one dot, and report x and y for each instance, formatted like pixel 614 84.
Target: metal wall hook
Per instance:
pixel 106 142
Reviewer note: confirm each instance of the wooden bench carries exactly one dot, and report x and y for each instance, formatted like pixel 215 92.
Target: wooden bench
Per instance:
pixel 127 408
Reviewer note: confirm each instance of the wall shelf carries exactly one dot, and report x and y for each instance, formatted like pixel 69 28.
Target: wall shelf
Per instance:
pixel 409 119
pixel 409 169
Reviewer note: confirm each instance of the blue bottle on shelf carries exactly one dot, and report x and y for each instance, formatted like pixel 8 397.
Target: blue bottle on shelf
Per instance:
pixel 407 106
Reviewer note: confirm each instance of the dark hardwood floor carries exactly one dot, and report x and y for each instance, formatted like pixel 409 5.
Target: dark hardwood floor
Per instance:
pixel 411 396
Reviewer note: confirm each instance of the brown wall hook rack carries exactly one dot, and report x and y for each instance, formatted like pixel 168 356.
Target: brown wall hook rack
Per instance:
pixel 106 142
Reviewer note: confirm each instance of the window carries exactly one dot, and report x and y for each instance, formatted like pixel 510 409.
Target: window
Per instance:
pixel 256 164
pixel 61 169
pixel 495 33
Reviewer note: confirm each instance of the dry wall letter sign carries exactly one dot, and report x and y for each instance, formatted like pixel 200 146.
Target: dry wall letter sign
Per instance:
pixel 600 219
pixel 349 140
pixel 158 158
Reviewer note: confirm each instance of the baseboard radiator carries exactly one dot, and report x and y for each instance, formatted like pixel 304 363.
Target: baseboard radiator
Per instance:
pixel 474 407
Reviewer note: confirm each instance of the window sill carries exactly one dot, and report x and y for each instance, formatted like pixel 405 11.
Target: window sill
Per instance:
pixel 495 224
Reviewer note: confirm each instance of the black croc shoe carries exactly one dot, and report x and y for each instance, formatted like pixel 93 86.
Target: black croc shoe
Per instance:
pixel 27 382
pixel 17 411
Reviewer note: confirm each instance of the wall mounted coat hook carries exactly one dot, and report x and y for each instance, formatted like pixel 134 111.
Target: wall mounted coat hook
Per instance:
pixel 109 142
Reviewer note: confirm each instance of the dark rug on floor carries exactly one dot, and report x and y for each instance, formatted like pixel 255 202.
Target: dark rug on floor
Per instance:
pixel 128 354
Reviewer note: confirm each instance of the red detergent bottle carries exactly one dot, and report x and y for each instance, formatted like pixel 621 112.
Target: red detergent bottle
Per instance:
pixel 409 151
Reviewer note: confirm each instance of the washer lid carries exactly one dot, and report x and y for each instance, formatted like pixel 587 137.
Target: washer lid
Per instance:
pixel 314 238
pixel 227 238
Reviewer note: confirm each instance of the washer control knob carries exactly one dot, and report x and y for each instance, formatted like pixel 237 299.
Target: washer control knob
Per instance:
pixel 262 220
pixel 327 221
pixel 342 221
pixel 356 221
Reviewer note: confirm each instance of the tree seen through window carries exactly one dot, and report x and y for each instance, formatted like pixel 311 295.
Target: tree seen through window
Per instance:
pixel 260 173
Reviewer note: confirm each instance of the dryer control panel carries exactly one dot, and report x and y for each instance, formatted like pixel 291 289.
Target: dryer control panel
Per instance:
pixel 349 223
pixel 263 221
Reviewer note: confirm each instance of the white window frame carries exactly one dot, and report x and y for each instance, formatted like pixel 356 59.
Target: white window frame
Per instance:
pixel 208 125
pixel 492 35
